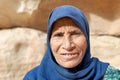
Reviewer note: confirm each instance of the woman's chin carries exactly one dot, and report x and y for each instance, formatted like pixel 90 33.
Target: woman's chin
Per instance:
pixel 69 64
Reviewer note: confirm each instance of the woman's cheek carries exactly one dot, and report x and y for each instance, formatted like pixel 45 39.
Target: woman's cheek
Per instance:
pixel 55 44
pixel 80 42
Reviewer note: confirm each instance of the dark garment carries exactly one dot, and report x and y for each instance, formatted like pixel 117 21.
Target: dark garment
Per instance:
pixel 88 69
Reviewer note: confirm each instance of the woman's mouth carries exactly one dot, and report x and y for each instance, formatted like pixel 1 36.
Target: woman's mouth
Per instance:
pixel 69 56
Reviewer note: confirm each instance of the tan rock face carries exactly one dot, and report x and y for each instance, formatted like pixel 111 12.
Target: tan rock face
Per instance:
pixel 115 28
pixel 22 48
pixel 101 26
pixel 106 48
pixel 16 12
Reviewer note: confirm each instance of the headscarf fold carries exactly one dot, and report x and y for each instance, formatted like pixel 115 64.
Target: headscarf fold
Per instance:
pixel 88 69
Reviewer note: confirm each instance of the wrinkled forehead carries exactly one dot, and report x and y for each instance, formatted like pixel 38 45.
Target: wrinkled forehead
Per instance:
pixel 65 24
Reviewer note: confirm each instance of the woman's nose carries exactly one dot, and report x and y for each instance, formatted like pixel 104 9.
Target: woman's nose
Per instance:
pixel 68 44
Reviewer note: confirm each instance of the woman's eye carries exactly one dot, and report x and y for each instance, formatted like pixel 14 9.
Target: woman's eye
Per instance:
pixel 58 35
pixel 76 33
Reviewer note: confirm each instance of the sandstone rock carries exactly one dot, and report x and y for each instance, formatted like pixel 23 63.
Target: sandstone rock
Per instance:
pixel 101 26
pixel 16 12
pixel 115 28
pixel 106 48
pixel 20 50
pixel 34 13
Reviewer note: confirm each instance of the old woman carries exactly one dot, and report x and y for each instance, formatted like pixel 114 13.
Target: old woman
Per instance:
pixel 68 50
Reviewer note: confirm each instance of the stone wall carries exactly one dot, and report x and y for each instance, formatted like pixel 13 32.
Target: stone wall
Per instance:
pixel 23 26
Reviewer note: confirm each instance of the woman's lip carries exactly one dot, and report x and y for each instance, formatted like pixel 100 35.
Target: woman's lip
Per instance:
pixel 68 53
pixel 69 56
pixel 72 53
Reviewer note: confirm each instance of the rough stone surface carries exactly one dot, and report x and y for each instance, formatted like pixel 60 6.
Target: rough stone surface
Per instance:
pixel 106 48
pixel 20 50
pixel 16 12
pixel 23 48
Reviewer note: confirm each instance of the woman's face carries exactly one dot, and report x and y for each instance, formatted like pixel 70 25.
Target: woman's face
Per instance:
pixel 68 43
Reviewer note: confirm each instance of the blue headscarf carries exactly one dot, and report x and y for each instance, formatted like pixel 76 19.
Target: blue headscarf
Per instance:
pixel 88 69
